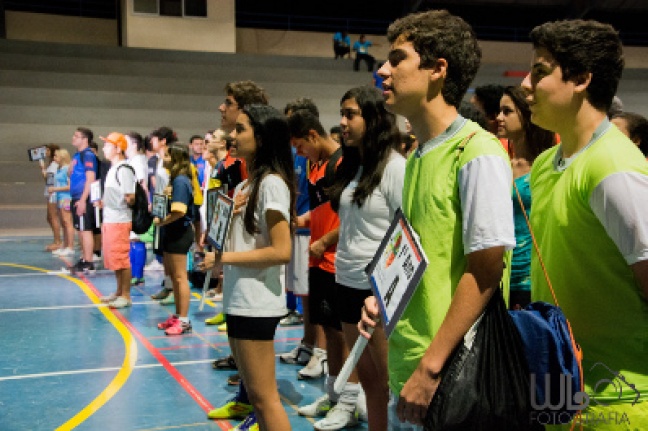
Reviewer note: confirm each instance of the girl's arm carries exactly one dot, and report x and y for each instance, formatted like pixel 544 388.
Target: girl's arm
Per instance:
pixel 277 253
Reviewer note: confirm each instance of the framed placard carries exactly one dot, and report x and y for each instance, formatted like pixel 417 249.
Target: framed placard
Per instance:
pixel 37 153
pixel 220 222
pixel 396 269
pixel 212 198
pixel 49 179
pixel 159 206
pixel 95 191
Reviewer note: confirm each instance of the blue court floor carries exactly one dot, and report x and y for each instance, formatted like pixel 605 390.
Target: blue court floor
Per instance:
pixel 69 362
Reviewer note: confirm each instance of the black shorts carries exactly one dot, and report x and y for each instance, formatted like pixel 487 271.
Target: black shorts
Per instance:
pixel 251 328
pixel 323 299
pixel 87 222
pixel 177 240
pixel 350 302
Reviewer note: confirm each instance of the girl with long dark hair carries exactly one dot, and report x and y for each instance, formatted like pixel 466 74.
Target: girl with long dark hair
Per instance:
pixel 526 142
pixel 259 243
pixel 366 194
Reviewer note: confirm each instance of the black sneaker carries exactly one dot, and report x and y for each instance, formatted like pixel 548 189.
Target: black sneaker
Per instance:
pixel 83 266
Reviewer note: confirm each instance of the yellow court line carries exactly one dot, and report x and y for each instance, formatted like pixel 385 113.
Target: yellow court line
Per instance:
pixel 130 356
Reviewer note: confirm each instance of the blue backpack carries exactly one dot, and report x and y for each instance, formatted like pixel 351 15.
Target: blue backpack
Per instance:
pixel 553 356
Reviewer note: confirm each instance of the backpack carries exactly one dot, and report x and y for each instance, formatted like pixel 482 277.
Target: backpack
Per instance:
pixel 142 218
pixel 331 167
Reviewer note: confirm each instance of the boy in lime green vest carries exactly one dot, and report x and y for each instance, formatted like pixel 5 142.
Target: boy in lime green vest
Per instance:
pixel 458 202
pixel 590 217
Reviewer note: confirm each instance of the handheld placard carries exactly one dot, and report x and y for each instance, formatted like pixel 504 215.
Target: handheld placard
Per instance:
pixel 204 290
pixel 394 273
pixel 219 226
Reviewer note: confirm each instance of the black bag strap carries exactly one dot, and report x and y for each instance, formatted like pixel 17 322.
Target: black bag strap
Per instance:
pixel 329 173
pixel 126 165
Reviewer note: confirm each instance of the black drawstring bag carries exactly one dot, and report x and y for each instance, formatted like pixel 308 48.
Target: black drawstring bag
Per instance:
pixel 485 382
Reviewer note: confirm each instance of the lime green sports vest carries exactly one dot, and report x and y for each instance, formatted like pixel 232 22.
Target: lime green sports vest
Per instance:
pixel 594 285
pixel 431 203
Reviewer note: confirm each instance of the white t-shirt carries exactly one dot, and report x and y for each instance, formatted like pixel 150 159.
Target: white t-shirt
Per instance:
pixel 256 292
pixel 138 162
pixel 161 177
pixel 362 229
pixel 115 209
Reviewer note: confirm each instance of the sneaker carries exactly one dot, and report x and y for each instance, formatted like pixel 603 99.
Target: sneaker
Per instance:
pixel 178 327
pixel 340 416
pixel 249 424
pixel 169 300
pixel 233 409
pixel 316 367
pixel 300 355
pixel 83 266
pixel 234 379
pixel 163 293
pixel 135 281
pixel 167 323
pixel 216 320
pixel 120 302
pixel 62 252
pixel 225 363
pixel 320 407
pixel 292 318
pixel 96 257
pixel 222 327
pixel 109 298
pixel 53 246
pixel 154 266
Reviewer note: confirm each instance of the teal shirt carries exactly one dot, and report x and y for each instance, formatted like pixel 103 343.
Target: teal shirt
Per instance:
pixel 521 261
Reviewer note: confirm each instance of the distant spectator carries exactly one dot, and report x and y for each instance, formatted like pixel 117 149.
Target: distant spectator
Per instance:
pixel 615 108
pixel 336 134
pixel 635 127
pixel 472 112
pixel 49 167
pixel 487 99
pixel 341 44
pixel 361 48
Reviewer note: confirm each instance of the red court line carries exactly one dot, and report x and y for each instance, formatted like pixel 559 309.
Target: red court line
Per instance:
pixel 173 371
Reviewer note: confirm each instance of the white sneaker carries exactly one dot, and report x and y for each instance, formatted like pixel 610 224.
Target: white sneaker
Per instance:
pixel 320 407
pixel 66 252
pixel 316 367
pixel 300 355
pixel 340 416
pixel 154 266
pixel 96 258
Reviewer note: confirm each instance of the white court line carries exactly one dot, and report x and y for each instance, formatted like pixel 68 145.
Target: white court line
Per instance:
pixel 63 307
pixel 31 274
pixel 99 370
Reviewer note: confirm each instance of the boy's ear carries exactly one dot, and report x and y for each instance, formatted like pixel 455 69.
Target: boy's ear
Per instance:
pixel 313 135
pixel 582 81
pixel 439 70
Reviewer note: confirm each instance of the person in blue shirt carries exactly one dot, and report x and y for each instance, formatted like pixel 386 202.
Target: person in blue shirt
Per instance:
pixel 361 48
pixel 341 44
pixel 83 172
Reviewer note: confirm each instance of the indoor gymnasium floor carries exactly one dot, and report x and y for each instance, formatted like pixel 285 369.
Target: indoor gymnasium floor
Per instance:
pixel 69 362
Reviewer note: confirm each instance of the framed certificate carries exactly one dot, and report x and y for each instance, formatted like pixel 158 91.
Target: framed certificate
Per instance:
pixel 396 269
pixel 37 153
pixel 220 223
pixel 95 191
pixel 159 207
pixel 212 198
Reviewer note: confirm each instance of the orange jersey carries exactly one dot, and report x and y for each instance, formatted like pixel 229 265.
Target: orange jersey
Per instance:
pixel 322 217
